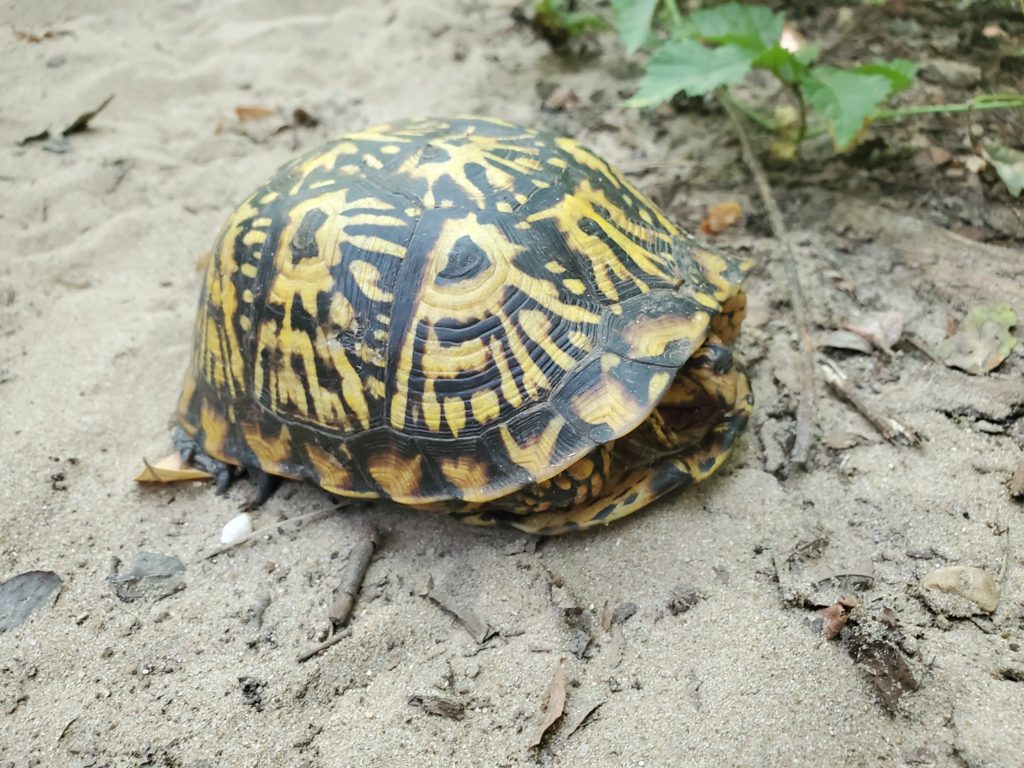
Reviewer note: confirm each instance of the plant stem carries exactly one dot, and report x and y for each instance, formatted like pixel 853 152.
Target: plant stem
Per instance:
pixel 756 117
pixel 673 11
pixel 1015 102
pixel 805 417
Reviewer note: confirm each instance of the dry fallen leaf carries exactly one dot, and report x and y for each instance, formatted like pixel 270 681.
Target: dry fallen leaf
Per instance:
pixel 939 155
pixel 993 31
pixel 982 341
pixel 974 584
pixel 847 340
pixel 554 706
pixel 170 469
pixel 248 113
pixel 885 664
pixel 562 99
pixel 720 217
pixel 883 329
pixel 1009 164
pixel 834 618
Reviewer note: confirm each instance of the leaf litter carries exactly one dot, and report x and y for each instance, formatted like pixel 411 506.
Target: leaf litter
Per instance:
pixel 554 706
pixel 982 341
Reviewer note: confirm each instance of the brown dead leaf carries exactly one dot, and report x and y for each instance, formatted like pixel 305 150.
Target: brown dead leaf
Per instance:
pixel 847 340
pixel 885 664
pixel 975 163
pixel 834 618
pixel 720 217
pixel 554 706
pixel 170 469
pixel 248 113
pixel 883 329
pixel 562 99
pixel 940 155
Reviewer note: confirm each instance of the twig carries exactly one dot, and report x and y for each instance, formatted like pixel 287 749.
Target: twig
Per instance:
pixel 805 405
pixel 345 595
pixel 477 627
pixel 334 639
pixel 892 430
pixel 352 581
pixel 268 530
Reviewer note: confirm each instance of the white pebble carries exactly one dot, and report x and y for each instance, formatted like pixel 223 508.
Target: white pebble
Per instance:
pixel 237 528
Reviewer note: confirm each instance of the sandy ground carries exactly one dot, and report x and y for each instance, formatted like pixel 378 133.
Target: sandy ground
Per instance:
pixel 722 662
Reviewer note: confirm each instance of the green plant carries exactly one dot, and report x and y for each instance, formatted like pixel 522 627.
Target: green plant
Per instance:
pixel 718 46
pixel 714 48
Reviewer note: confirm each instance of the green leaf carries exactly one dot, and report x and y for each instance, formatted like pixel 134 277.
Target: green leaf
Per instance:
pixel 755 27
pixel 808 54
pixel 783 63
pixel 686 65
pixel 556 23
pixel 899 72
pixel 1009 164
pixel 982 341
pixel 633 20
pixel 846 99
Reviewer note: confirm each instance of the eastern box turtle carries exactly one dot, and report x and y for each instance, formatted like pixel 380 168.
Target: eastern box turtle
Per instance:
pixel 466 315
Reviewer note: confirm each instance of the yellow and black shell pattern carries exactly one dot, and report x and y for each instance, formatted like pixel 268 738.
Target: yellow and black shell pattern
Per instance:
pixel 442 311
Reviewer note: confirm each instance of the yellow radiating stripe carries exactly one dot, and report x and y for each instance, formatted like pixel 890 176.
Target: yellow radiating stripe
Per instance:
pixel 509 385
pixel 485 405
pixel 376 245
pixel 431 407
pixel 455 414
pixel 538 328
pixel 532 378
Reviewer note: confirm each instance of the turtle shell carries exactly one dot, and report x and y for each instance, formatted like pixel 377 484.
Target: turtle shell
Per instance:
pixel 438 310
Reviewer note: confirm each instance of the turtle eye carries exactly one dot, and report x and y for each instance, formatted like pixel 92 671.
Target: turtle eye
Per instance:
pixel 466 260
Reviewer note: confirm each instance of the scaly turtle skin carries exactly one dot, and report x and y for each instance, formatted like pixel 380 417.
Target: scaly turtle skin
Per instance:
pixel 466 315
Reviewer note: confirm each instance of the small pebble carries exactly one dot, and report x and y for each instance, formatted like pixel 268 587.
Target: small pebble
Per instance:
pixel 236 529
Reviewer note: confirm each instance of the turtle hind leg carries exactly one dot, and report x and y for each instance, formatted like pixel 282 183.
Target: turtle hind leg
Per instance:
pixel 224 474
pixel 266 485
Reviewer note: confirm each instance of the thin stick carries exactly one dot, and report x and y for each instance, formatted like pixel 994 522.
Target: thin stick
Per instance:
pixel 352 580
pixel 892 430
pixel 345 595
pixel 805 405
pixel 334 639
pixel 268 530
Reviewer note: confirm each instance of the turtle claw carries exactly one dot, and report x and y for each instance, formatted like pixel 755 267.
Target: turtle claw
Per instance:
pixel 265 487
pixel 190 452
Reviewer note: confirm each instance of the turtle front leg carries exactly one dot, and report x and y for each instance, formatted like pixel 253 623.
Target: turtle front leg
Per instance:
pixel 223 474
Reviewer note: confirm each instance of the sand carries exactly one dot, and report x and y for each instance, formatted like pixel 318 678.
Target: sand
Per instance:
pixel 722 664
